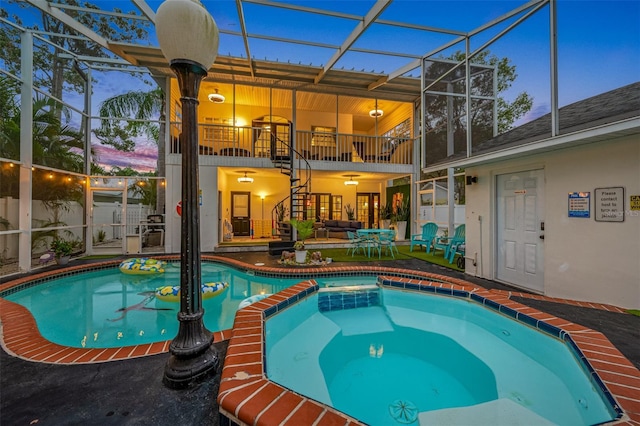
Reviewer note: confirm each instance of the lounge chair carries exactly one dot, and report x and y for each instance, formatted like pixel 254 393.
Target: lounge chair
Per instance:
pixel 429 231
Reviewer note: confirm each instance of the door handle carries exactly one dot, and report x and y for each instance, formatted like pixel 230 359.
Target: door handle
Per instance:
pixel 542 237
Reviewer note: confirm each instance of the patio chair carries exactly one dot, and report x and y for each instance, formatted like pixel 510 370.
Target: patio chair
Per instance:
pixel 429 231
pixel 355 243
pixel 386 240
pixel 450 246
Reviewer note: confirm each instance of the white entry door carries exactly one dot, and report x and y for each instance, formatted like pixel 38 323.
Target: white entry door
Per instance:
pixel 520 225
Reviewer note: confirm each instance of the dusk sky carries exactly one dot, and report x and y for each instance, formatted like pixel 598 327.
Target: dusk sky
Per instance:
pixel 598 44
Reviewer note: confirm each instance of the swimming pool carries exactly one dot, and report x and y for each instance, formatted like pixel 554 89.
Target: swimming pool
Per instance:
pixel 105 308
pixel 388 357
pixel 108 309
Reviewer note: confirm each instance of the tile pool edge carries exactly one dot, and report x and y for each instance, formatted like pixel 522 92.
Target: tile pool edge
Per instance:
pixel 18 327
pixel 19 334
pixel 247 396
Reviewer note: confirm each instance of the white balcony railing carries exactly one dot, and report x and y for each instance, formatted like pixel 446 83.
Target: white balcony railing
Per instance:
pixel 315 146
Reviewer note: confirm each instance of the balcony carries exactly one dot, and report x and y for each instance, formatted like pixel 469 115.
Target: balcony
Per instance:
pixel 255 142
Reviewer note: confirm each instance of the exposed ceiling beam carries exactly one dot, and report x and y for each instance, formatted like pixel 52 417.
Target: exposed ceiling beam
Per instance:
pixel 506 16
pixel 368 19
pixel 245 37
pixel 68 20
pixel 145 9
pixel 397 73
pixel 304 9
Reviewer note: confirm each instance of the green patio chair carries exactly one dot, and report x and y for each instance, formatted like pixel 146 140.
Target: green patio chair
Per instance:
pixel 450 245
pixel 355 243
pixel 429 231
pixel 387 240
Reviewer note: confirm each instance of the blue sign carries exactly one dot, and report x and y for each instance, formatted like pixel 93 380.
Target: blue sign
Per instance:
pixel 580 204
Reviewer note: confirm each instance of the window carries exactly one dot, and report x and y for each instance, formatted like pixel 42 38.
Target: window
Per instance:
pixel 218 129
pixel 336 207
pixel 323 136
pixel 318 207
pixel 395 136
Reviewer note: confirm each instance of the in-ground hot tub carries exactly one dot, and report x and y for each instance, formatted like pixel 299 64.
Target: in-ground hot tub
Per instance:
pixel 388 357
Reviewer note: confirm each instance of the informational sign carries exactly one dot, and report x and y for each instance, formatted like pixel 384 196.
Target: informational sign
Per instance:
pixel 580 204
pixel 634 202
pixel 609 204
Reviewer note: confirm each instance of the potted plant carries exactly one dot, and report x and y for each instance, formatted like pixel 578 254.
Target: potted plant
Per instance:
pixel 351 214
pixel 385 215
pixel 304 229
pixel 62 250
pixel 401 217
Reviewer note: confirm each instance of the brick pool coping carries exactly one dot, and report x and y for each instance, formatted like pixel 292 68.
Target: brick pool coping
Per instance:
pixel 247 395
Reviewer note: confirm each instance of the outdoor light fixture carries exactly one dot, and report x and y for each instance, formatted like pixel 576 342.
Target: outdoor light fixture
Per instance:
pixel 245 178
pixel 376 113
pixel 351 181
pixel 216 98
pixel 188 37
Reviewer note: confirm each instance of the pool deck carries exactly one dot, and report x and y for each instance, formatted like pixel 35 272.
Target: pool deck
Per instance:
pixel 76 385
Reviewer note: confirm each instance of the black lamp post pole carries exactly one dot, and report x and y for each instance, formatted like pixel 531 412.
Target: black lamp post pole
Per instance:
pixel 192 355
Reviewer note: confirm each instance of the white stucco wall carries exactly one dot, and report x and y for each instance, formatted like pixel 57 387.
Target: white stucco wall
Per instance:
pixel 583 259
pixel 208 209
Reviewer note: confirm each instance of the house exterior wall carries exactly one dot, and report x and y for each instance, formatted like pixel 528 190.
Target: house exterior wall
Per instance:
pixel 583 259
pixel 208 209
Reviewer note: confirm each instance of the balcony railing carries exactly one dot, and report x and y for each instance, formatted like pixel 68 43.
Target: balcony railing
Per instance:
pixel 236 141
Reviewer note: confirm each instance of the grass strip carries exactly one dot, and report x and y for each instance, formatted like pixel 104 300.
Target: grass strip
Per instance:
pixel 340 255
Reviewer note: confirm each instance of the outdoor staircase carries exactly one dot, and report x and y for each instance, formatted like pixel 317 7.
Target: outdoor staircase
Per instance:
pixel 290 162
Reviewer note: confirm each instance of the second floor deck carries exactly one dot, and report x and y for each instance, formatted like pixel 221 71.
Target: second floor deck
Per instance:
pixel 255 147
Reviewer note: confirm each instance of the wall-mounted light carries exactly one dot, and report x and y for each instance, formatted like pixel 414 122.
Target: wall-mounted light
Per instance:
pixel 472 179
pixel 350 181
pixel 376 113
pixel 245 178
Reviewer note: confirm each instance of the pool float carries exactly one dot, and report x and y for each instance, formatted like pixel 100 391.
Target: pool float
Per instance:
pixel 170 293
pixel 142 265
pixel 253 299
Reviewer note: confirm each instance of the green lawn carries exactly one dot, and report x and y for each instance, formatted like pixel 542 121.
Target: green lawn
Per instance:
pixel 340 255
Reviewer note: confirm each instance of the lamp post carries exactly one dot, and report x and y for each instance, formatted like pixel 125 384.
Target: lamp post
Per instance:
pixel 188 37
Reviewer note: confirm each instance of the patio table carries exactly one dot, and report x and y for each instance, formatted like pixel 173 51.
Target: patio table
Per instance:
pixel 371 237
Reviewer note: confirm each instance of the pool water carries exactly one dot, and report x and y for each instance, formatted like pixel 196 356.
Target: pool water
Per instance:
pixel 427 359
pixel 106 308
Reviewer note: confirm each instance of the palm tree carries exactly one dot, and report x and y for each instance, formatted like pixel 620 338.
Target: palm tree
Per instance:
pixel 55 144
pixel 142 107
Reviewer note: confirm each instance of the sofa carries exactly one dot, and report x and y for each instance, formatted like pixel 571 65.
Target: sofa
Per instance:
pixel 339 228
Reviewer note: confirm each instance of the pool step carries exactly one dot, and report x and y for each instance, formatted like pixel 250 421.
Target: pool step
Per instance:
pixel 348 297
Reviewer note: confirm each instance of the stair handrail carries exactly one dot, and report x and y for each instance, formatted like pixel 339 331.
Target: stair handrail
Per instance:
pixel 293 189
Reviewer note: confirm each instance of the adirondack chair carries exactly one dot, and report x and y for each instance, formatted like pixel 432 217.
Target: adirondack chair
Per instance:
pixel 429 231
pixel 450 245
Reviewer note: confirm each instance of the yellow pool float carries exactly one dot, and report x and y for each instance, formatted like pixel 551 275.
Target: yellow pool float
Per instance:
pixel 170 293
pixel 142 266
